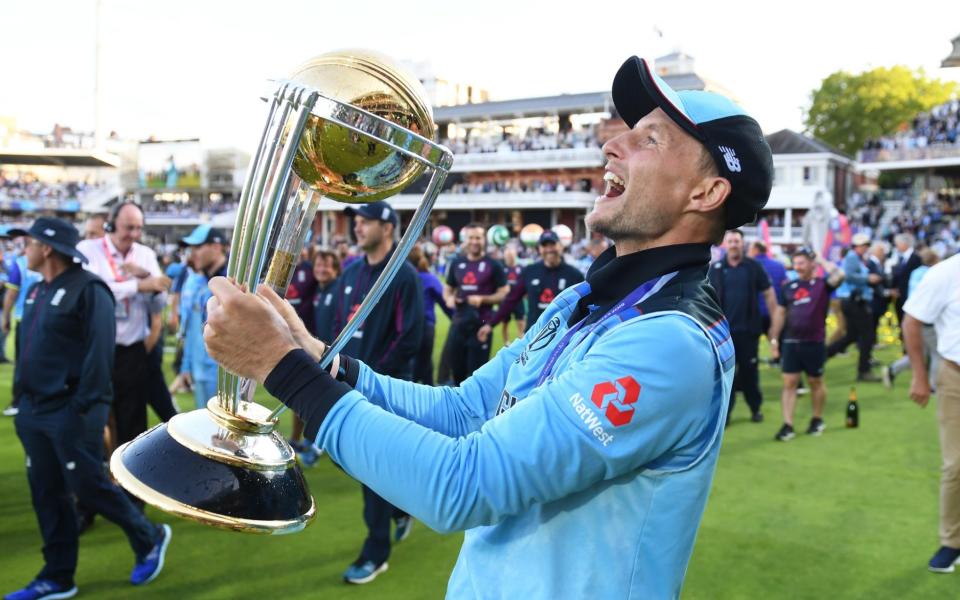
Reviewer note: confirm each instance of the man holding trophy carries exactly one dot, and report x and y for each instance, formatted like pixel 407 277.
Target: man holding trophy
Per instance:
pixel 600 429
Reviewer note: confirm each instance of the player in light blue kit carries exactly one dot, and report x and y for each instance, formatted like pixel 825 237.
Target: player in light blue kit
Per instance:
pixel 579 459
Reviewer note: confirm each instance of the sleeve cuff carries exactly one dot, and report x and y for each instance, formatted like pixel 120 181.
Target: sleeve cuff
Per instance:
pixel 309 391
pixel 349 371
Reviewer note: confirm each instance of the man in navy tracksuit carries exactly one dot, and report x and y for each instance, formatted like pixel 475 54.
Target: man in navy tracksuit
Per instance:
pixel 66 352
pixel 388 342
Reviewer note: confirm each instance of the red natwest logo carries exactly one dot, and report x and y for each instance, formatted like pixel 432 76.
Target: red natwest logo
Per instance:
pixel 546 296
pixel 469 278
pixel 616 397
pixel 801 293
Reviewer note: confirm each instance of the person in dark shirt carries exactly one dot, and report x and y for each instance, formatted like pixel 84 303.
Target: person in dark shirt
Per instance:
pixel 777 274
pixel 432 297
pixel 388 342
pixel 512 271
pixel 66 347
pixel 475 283
pixel 802 318
pixel 326 271
pixel 908 260
pixel 739 281
pixel 302 286
pixel 540 282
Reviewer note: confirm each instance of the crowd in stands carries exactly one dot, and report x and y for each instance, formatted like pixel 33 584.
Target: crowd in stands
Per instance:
pixel 932 217
pixel 517 186
pixel 937 129
pixel 531 140
pixel 186 210
pixel 25 186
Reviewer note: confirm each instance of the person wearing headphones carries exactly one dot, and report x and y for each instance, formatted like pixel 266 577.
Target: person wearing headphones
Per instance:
pixel 133 274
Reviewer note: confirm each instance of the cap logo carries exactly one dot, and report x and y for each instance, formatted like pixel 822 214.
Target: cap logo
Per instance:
pixel 49 232
pixel 385 214
pixel 730 156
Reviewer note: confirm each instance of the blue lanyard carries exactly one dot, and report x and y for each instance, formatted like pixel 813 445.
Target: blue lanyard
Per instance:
pixel 635 297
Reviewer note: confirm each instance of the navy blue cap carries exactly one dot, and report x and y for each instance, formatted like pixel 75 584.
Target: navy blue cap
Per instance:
pixel 549 237
pixel 56 233
pixel 204 234
pixel 733 138
pixel 380 211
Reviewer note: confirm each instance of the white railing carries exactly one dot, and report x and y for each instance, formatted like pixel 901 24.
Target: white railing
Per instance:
pixel 492 200
pixel 929 152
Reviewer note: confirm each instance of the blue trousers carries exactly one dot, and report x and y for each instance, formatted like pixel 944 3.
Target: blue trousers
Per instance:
pixel 203 391
pixel 377 514
pixel 64 456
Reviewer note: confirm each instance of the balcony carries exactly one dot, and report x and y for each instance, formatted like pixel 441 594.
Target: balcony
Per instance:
pixel 488 201
pixel 564 158
pixel 936 152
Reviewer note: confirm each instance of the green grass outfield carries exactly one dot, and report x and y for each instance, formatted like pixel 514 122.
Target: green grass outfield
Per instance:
pixel 852 514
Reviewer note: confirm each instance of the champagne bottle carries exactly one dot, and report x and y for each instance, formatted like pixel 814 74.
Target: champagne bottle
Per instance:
pixel 853 411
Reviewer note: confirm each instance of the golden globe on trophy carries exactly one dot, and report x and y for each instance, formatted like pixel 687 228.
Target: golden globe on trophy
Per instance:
pixel 348 125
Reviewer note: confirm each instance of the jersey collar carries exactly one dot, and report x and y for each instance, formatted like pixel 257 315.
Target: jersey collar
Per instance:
pixel 612 278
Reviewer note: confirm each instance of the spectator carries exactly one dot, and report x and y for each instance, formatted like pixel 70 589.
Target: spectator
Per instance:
pixel 907 261
pixel 475 283
pixel 326 272
pixel 302 286
pixel 208 252
pixel 388 343
pixel 936 301
pixel 802 318
pixel 512 272
pixel 133 274
pixel 855 295
pixel 740 281
pixel 929 258
pixel 432 297
pixel 19 280
pixel 93 227
pixel 540 282
pixel 777 274
pixel 66 396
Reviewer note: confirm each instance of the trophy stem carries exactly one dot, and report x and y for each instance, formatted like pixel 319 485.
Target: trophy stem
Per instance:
pixel 223 377
pixel 393 265
pixel 273 173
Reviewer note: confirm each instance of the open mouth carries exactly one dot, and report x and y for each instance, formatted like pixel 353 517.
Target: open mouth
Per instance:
pixel 614 184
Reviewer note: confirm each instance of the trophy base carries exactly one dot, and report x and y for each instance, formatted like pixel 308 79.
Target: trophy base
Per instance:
pixel 234 473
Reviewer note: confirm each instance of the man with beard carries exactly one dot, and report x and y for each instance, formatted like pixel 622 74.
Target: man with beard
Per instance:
pixel 388 343
pixel 802 317
pixel 541 282
pixel 600 429
pixel 475 282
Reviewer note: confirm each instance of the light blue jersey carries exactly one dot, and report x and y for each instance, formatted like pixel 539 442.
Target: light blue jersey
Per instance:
pixel 21 279
pixel 856 283
pixel 589 485
pixel 192 304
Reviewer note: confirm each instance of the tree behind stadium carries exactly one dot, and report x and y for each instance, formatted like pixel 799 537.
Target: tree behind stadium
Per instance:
pixel 848 109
